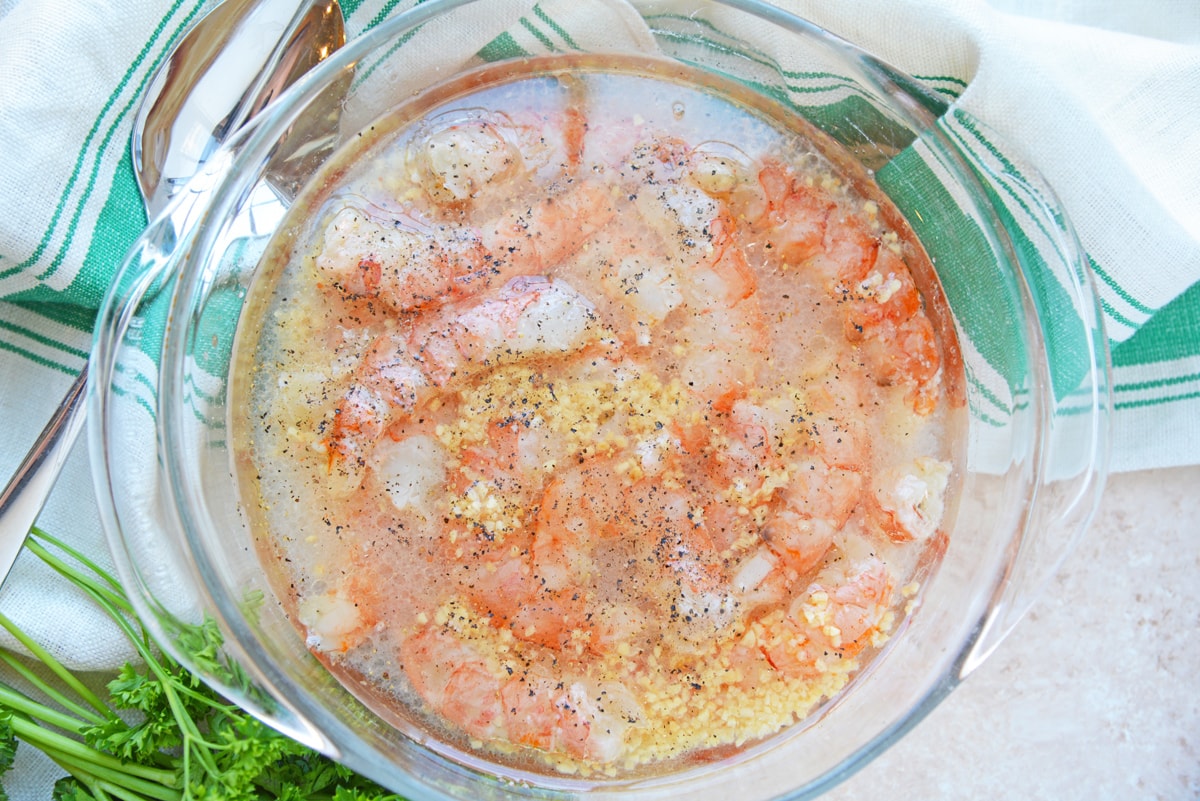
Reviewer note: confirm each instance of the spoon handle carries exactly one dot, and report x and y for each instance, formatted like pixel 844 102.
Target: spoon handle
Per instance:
pixel 27 490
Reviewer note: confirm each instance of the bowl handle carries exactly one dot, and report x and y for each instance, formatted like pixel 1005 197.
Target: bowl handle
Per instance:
pixel 1071 458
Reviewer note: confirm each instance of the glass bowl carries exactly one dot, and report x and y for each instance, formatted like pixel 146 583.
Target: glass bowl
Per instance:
pixel 1016 288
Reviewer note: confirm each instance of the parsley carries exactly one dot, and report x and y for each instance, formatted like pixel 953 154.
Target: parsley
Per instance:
pixel 175 739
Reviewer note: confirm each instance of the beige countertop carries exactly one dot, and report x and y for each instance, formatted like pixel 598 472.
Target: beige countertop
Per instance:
pixel 1095 695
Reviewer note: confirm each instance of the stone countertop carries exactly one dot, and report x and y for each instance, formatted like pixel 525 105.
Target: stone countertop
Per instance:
pixel 1096 693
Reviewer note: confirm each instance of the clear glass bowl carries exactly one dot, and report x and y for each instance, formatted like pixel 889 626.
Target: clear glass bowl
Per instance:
pixel 1018 289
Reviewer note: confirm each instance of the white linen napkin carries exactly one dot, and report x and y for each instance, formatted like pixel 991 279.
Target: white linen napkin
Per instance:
pixel 1102 99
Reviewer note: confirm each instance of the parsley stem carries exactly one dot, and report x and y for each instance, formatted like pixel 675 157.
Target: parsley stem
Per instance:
pixel 78 556
pixel 108 588
pixel 105 782
pixel 54 666
pixel 19 702
pixel 59 746
pixel 51 691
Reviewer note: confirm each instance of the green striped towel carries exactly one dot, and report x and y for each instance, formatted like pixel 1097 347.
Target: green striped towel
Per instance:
pixel 1103 106
pixel 1105 103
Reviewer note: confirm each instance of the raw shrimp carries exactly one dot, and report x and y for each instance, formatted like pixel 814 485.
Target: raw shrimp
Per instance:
pixel 407 264
pixel 527 317
pixel 456 160
pixel 838 615
pixel 532 238
pixel 468 158
pixel 803 224
pixel 909 501
pixel 411 264
pixel 493 698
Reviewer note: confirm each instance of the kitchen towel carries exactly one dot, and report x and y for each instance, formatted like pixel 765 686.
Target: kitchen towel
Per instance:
pixel 1101 98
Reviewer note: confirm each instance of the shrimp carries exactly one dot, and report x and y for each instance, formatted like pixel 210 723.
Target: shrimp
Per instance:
pixel 910 502
pixel 456 160
pixel 726 333
pixel 815 506
pixel 467 157
pixel 527 318
pixel 793 217
pixel 546 584
pixel 650 176
pixel 808 480
pixel 529 704
pixel 456 680
pixel 410 468
pixel 530 239
pixel 883 315
pixel 411 264
pixel 694 227
pixel 648 288
pixel 386 382
pixel 602 556
pixel 824 491
pixel 845 610
pixel 335 623
pixel 406 264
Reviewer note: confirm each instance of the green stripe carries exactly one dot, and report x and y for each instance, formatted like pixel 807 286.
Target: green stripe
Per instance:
pixel 1117 289
pixel 987 393
pixel 1142 404
pixel 852 121
pixel 134 102
pixel 942 79
pixel 208 398
pixel 545 40
pixel 742 49
pixel 87 142
pixel 1069 355
pixel 349 8
pixel 1010 170
pixel 1074 411
pixel 211 423
pixel 112 239
pixel 137 377
pixel 988 420
pixel 502 47
pixel 121 392
pixel 742 52
pixel 43 340
pixel 114 236
pixel 36 359
pixel 383 14
pixel 762 59
pixel 1137 386
pixel 1172 333
pixel 950 93
pixel 65 314
pixel 1109 311
pixel 361 76
pixel 554 26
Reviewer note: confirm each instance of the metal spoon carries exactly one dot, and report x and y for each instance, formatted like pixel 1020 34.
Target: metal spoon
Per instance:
pixel 226 69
